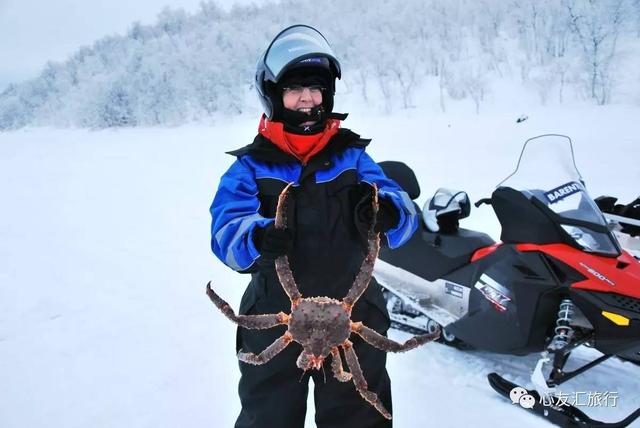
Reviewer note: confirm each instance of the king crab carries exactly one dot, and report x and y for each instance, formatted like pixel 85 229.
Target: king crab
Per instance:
pixel 320 324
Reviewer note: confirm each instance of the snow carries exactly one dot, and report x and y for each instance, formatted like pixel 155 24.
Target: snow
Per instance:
pixel 104 256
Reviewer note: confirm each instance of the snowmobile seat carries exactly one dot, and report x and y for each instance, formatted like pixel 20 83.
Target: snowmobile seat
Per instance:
pixel 427 254
pixel 432 255
pixel 403 175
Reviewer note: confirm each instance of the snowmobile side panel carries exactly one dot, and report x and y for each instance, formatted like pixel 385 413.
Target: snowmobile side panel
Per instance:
pixel 619 275
pixel 530 293
pixel 480 253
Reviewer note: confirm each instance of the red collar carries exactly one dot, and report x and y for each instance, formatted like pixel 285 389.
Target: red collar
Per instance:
pixel 303 147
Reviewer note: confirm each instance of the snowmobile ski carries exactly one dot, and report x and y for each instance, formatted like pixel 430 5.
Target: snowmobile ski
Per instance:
pixel 554 410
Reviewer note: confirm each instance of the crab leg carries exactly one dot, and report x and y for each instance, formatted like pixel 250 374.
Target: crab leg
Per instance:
pixel 336 366
pixel 282 263
pixel 359 380
pixel 286 279
pixel 385 344
pixel 271 351
pixel 247 321
pixel 366 270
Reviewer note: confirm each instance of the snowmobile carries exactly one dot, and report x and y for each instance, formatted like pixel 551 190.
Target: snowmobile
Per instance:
pixel 557 279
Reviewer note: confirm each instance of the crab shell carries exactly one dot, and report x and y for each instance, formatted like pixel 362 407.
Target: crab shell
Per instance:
pixel 318 324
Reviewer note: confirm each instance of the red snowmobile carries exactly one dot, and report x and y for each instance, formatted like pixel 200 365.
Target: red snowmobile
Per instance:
pixel 558 278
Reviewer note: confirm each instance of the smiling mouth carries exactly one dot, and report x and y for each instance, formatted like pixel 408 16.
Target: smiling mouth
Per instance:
pixel 306 110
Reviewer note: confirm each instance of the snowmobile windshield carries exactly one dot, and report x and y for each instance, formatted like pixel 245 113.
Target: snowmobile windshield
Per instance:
pixel 546 171
pixel 295 44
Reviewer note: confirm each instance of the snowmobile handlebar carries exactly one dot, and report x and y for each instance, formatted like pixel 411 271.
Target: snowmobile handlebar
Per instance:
pixel 482 202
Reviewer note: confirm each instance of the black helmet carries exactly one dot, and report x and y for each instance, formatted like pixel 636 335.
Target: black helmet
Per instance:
pixel 297 48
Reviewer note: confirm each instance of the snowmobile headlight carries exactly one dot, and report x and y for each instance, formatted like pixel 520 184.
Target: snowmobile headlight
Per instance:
pixel 616 318
pixel 590 241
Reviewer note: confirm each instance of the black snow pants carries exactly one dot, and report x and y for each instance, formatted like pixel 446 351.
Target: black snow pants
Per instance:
pixel 274 395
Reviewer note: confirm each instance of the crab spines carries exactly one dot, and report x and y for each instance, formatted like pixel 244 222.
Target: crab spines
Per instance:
pixel 217 300
pixel 373 246
pixel 271 351
pixel 337 368
pixel 247 321
pixel 285 275
pixel 283 270
pixel 360 382
pixel 383 343
pixel 281 209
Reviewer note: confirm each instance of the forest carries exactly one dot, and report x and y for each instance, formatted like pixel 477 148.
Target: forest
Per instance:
pixel 192 67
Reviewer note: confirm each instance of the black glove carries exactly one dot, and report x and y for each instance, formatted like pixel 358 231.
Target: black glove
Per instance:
pixel 272 243
pixel 386 219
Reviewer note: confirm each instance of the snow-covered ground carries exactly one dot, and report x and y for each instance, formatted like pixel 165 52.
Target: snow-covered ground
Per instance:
pixel 104 255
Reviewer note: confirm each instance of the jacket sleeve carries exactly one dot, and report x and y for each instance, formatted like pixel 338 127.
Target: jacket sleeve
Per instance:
pixel 370 172
pixel 234 214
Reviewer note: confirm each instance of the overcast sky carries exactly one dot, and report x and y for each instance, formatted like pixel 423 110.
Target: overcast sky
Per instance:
pixel 35 31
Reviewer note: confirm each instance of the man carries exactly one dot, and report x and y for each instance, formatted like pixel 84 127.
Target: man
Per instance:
pixel 300 140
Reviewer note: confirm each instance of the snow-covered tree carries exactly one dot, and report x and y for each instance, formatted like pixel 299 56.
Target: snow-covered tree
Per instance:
pixel 189 67
pixel 596 25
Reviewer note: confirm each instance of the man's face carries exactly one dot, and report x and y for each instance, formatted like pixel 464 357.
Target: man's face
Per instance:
pixel 302 99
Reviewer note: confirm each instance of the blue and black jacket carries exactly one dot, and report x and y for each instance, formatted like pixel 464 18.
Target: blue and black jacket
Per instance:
pixel 327 250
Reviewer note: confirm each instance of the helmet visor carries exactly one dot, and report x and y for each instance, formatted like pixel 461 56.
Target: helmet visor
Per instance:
pixel 295 44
